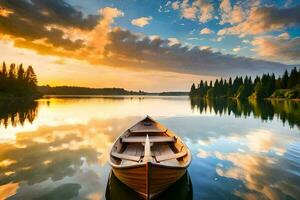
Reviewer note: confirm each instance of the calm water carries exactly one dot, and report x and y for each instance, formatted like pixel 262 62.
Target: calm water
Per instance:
pixel 57 148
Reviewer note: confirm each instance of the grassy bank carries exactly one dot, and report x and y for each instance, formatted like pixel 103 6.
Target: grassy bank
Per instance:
pixel 293 93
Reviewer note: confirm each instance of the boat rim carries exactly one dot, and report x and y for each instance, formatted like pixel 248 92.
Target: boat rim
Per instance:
pixel 135 165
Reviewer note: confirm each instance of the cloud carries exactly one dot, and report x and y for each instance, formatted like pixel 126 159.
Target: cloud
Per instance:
pixel 206 31
pixel 98 36
pixel 199 9
pixel 206 10
pixel 165 8
pixel 140 52
pixel 219 39
pixel 265 19
pixel 204 47
pixel 284 36
pixel 28 21
pixel 100 43
pixel 173 41
pixel 4 12
pixel 281 48
pixel 231 14
pixel 49 12
pixel 288 3
pixel 142 21
pixel 175 5
pixel 236 49
pixel 188 12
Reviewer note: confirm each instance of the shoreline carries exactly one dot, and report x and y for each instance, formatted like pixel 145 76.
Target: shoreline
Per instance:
pixel 268 98
pixel 45 96
pixel 18 98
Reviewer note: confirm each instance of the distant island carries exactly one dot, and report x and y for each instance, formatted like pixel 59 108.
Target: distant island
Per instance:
pixel 286 86
pixel 16 82
pixel 74 90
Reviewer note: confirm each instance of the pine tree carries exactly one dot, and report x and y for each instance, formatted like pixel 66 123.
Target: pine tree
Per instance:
pixel 16 82
pixel 271 85
pixel 21 72
pixel 292 81
pixel 285 79
pixel 256 80
pixel 12 71
pixel 193 90
pixel 31 76
pixel 201 89
pixel 3 72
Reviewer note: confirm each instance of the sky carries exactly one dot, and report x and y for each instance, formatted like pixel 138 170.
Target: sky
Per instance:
pixel 151 45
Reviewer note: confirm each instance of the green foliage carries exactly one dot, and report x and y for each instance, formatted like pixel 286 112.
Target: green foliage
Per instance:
pixel 17 82
pixel 292 81
pixel 259 91
pixel 211 93
pixel 262 87
pixel 193 90
pixel 287 93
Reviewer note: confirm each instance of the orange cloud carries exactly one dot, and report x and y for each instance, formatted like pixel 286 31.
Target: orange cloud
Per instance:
pixel 200 9
pixel 206 31
pixel 100 43
pixel 4 12
pixel 231 15
pixel 261 20
pixel 98 36
pixel 142 21
pixel 280 48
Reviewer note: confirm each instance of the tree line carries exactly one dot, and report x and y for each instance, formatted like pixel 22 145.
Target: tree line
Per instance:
pixel 75 90
pixel 16 81
pixel 285 86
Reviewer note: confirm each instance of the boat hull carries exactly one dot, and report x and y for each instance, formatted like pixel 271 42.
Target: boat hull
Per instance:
pixel 149 179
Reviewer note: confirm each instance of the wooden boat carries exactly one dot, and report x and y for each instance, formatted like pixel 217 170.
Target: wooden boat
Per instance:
pixel 149 158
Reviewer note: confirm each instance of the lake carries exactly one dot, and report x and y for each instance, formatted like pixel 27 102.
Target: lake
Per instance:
pixel 57 148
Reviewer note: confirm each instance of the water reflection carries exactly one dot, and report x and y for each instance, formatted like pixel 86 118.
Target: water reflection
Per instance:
pixel 263 177
pixel 116 190
pixel 49 155
pixel 63 153
pixel 15 113
pixel 287 111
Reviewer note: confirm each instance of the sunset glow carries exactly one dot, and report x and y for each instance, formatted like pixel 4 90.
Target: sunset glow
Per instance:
pixel 152 46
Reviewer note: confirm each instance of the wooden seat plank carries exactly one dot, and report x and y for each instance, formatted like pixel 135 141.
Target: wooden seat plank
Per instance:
pixel 152 139
pixel 169 157
pixel 148 131
pixel 126 156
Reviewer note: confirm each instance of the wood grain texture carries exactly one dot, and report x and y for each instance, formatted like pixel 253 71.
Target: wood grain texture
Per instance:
pixel 149 159
pixel 160 178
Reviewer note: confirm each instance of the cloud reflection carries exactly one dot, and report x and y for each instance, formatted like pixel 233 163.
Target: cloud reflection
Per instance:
pixel 57 152
pixel 261 176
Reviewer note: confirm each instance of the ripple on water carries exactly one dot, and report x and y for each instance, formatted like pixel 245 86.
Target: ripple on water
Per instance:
pixel 292 156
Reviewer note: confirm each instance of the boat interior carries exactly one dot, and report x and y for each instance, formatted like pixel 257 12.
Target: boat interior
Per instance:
pixel 149 141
